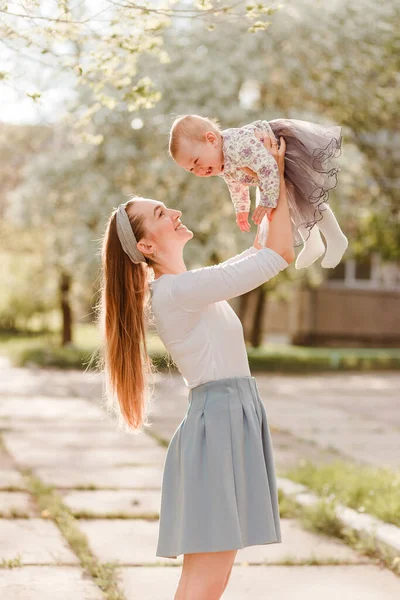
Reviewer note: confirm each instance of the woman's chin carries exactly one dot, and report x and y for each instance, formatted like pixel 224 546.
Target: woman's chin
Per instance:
pixel 184 234
pixel 189 234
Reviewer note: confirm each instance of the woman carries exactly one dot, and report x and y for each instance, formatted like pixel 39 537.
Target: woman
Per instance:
pixel 219 489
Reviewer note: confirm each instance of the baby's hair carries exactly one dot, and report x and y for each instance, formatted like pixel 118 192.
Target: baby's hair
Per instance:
pixel 190 127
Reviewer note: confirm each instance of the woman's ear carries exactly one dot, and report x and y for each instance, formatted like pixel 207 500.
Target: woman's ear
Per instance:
pixel 148 249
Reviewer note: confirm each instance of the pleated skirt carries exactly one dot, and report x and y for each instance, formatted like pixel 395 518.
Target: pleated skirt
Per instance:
pixel 219 489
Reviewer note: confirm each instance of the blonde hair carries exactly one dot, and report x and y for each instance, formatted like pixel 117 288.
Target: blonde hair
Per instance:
pixel 122 311
pixel 190 128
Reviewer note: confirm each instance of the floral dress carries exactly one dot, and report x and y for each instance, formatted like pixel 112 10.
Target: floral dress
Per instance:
pixel 310 168
pixel 242 149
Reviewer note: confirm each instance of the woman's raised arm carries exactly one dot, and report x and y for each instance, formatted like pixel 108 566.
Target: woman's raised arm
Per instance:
pixel 280 236
pixel 195 289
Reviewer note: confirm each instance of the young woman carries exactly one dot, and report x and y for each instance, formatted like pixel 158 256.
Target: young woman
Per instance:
pixel 219 489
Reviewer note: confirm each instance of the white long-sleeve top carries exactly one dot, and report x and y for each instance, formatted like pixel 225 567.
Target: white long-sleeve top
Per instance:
pixel 197 326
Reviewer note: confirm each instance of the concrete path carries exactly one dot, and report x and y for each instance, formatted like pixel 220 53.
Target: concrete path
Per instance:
pixel 52 422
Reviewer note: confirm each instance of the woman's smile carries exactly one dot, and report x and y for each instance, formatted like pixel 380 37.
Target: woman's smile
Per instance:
pixel 180 226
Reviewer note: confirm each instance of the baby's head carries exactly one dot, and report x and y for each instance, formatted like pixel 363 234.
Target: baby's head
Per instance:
pixel 195 143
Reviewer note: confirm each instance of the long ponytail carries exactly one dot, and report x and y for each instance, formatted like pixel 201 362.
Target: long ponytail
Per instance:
pixel 122 313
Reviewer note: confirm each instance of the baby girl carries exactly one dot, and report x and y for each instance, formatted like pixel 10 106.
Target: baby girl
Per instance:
pixel 239 156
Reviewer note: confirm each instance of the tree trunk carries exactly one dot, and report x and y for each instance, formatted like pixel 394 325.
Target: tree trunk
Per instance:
pixel 65 288
pixel 256 331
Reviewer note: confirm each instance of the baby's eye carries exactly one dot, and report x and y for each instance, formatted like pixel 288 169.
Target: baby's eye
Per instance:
pixel 195 162
pixel 160 213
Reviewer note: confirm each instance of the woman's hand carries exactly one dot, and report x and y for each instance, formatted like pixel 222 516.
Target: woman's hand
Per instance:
pixel 270 143
pixel 278 152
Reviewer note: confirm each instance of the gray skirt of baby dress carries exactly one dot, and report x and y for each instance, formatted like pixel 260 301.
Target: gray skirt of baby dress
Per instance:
pixel 311 170
pixel 219 489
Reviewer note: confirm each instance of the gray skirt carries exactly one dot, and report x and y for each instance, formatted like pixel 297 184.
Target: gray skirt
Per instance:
pixel 219 489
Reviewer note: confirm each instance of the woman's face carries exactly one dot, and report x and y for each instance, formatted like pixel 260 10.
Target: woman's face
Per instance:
pixel 163 228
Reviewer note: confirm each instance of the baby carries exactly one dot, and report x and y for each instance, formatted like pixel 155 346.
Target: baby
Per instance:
pixel 238 156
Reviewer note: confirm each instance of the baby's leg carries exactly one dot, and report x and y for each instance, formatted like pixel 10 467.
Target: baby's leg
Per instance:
pixel 313 247
pixel 336 241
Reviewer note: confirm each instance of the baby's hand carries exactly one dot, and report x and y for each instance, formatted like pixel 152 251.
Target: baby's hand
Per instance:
pixel 242 219
pixel 260 212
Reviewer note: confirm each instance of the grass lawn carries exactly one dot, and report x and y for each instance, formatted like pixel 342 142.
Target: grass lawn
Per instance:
pixel 44 350
pixel 371 490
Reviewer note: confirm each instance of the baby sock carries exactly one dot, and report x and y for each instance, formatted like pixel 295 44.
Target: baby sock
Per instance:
pixel 336 241
pixel 313 247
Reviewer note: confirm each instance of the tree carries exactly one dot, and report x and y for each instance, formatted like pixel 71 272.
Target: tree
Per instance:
pixel 236 77
pixel 99 47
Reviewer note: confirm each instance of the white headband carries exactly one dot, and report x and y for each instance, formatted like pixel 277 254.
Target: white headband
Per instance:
pixel 126 235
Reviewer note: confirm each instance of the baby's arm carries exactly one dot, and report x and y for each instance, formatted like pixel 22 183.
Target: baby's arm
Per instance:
pixel 240 197
pixel 195 289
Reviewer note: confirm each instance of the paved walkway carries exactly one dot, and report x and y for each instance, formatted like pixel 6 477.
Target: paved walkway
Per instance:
pixel 52 422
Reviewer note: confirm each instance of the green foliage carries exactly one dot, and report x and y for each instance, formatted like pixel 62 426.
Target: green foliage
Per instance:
pixel 100 49
pixel 344 70
pixel 27 291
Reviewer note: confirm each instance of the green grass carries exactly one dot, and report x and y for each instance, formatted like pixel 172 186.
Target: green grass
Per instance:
pixel 375 491
pixel 282 358
pixel 11 563
pixel 321 519
pixel 44 350
pixel 288 507
pixel 87 514
pixel 52 507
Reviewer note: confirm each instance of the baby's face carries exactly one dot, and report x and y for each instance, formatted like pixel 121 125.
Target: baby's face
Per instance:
pixel 203 159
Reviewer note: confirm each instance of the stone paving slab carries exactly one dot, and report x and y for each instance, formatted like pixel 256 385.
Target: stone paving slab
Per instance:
pixel 376 448
pixel 33 454
pixel 13 504
pixel 335 410
pixel 53 425
pixel 11 478
pixel 6 461
pixel 44 408
pixel 58 382
pixel 37 541
pixel 289 451
pixel 115 477
pixel 354 582
pixel 357 438
pixel 47 583
pixel 137 541
pixel 114 502
pixel 81 438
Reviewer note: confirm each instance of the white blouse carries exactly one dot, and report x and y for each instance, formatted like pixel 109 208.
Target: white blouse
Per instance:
pixel 197 326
